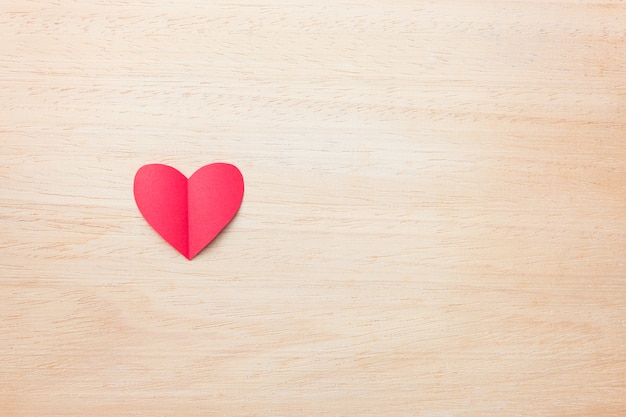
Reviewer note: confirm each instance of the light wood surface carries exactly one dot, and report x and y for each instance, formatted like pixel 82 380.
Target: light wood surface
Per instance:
pixel 434 221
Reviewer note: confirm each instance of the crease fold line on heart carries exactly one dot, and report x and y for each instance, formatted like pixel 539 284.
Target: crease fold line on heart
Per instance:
pixel 188 213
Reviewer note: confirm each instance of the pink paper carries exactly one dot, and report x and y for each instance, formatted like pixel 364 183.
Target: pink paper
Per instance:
pixel 188 213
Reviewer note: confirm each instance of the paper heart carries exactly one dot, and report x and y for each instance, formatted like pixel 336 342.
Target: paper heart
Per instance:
pixel 188 213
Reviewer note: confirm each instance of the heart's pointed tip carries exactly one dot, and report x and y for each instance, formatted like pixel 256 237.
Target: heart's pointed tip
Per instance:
pixel 190 255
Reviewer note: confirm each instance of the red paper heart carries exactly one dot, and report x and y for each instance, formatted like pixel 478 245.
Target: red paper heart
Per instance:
pixel 188 213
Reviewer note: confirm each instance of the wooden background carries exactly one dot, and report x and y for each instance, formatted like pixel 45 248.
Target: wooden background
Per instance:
pixel 434 221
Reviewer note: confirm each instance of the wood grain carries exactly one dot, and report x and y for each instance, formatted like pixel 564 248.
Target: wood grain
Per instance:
pixel 434 221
